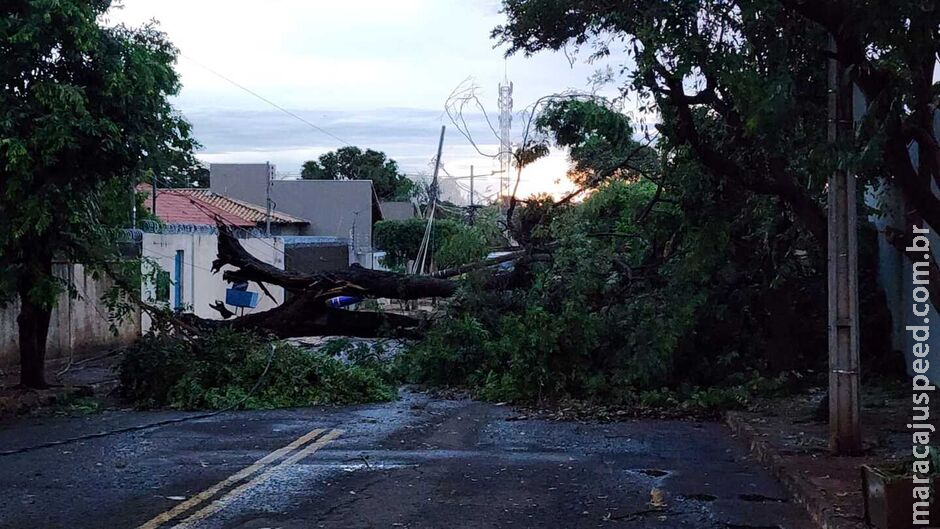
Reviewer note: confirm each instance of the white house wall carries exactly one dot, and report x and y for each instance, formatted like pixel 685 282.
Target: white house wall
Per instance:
pixel 201 287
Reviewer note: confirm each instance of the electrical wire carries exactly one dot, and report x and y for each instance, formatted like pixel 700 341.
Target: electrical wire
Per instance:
pixel 266 100
pixel 151 425
pixel 187 263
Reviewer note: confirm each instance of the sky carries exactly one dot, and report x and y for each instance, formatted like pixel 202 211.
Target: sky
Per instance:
pixel 370 73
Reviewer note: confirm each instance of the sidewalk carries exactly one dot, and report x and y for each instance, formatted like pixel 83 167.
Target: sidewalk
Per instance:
pixel 83 378
pixel 790 436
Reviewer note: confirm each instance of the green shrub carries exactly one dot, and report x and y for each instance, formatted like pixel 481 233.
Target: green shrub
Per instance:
pixel 401 239
pixel 465 246
pixel 223 368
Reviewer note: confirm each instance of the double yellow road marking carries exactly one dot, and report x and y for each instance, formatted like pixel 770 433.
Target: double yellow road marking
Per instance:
pixel 263 467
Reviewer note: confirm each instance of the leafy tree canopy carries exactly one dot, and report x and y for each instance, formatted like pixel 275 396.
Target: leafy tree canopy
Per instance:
pixel 401 239
pixel 352 163
pixel 84 115
pixel 599 139
pixel 741 85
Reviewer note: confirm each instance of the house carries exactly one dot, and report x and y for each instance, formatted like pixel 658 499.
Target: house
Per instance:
pixel 338 212
pixel 179 252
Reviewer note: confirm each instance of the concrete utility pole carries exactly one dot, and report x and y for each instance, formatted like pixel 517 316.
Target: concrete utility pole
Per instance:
pixel 437 166
pixel 153 196
pixel 427 241
pixel 845 437
pixel 267 192
pixel 472 211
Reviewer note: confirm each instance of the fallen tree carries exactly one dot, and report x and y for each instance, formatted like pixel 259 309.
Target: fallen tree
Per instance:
pixel 306 311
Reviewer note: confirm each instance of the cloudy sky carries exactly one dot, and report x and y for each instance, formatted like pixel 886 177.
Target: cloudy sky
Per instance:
pixel 371 73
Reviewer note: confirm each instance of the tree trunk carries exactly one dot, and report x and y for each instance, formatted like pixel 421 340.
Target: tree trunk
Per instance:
pixel 33 324
pixel 307 312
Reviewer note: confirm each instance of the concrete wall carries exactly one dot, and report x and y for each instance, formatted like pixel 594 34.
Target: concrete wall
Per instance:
pixel 398 210
pixel 336 208
pixel 79 326
pixel 320 258
pixel 200 287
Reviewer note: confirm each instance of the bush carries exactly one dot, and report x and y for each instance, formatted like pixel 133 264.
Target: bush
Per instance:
pixel 452 242
pixel 400 239
pixel 467 245
pixel 223 368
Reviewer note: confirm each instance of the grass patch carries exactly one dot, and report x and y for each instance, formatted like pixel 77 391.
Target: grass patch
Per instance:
pixel 74 405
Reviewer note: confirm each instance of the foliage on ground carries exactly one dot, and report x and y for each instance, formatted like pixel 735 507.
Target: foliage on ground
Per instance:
pixel 227 368
pixel 602 322
pixel 658 279
pixel 77 405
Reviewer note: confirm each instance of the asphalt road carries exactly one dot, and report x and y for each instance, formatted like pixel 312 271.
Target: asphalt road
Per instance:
pixel 414 463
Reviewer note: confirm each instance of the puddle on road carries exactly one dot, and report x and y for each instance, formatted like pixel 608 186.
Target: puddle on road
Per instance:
pixel 760 498
pixel 699 497
pixel 370 466
pixel 652 472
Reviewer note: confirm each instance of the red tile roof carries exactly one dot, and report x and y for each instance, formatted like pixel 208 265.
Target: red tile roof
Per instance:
pixel 200 206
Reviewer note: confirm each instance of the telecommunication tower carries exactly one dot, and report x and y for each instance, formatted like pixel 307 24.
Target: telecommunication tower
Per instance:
pixel 505 140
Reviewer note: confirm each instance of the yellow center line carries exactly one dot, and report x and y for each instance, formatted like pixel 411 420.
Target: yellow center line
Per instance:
pixel 180 508
pixel 237 492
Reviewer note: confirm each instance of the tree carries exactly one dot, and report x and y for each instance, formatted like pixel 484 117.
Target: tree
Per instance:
pixel 741 86
pixel 740 125
pixel 599 140
pixel 688 262
pixel 400 239
pixel 352 163
pixel 84 111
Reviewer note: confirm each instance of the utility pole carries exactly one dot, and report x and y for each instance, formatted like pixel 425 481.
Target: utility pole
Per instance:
pixel 472 210
pixel 425 247
pixel 133 207
pixel 153 195
pixel 267 216
pixel 437 165
pixel 845 437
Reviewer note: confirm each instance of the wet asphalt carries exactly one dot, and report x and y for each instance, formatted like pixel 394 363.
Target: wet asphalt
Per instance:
pixel 418 462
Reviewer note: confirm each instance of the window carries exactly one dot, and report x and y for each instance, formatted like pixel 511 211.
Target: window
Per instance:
pixel 163 286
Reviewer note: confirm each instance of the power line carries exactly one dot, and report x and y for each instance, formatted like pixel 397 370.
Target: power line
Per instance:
pixel 266 100
pixel 184 261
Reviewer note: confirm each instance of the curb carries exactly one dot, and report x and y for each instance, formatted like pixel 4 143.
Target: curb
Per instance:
pixel 800 488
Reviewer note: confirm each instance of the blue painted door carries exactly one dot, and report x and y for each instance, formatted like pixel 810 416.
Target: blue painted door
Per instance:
pixel 178 280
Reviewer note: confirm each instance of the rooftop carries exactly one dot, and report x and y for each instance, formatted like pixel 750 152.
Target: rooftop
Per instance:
pixel 202 207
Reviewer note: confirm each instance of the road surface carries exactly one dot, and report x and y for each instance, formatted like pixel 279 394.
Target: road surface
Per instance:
pixel 415 463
